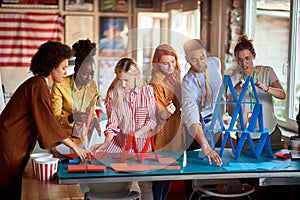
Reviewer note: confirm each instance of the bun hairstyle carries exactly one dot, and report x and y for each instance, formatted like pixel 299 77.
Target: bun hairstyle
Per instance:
pixel 243 43
pixel 85 50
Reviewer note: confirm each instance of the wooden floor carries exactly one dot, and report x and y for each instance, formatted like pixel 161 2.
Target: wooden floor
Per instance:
pixel 33 189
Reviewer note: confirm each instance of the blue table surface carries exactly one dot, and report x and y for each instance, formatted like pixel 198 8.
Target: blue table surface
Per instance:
pixel 195 165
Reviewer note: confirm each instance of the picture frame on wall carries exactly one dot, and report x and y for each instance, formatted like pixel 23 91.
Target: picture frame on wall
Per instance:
pixel 113 6
pixel 29 4
pixel 84 28
pixel 113 39
pixel 144 3
pixel 82 5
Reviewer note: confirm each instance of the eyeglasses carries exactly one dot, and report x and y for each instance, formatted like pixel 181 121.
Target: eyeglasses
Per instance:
pixel 246 59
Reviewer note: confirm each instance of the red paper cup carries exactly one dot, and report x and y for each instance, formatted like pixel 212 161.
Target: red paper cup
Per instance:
pixel 46 168
pixel 98 111
pixel 34 156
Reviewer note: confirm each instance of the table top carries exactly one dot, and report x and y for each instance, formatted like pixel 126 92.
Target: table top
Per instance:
pixel 246 166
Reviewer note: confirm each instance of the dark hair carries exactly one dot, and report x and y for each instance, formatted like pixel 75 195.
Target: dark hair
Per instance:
pixel 49 56
pixel 192 45
pixel 243 43
pixel 85 51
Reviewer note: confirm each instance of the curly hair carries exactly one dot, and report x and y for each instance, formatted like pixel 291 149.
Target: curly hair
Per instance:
pixel 243 43
pixel 49 56
pixel 85 51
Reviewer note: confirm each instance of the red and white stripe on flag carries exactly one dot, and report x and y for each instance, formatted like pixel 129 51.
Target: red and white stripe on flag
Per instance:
pixel 21 34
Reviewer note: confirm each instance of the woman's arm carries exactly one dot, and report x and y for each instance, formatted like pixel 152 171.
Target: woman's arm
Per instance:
pixel 63 114
pixel 275 89
pixel 79 151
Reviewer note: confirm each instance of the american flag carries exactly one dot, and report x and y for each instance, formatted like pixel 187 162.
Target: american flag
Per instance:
pixel 21 34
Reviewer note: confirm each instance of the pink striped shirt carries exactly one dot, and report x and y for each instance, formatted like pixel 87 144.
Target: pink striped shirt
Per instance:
pixel 139 110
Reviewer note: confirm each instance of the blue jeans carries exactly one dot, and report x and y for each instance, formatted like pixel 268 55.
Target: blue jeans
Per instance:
pixel 160 189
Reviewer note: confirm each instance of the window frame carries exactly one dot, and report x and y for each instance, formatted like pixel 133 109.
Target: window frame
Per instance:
pixel 250 6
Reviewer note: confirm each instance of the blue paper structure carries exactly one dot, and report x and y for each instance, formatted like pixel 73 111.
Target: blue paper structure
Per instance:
pixel 256 117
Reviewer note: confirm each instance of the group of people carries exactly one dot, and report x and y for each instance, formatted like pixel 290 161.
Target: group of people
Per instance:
pixel 175 111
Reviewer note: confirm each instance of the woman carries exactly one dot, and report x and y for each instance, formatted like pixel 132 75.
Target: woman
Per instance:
pixel 168 135
pixel 28 117
pixel 73 98
pixel 131 109
pixel 268 86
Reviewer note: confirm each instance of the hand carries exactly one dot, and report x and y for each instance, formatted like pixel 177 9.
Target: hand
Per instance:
pixel 262 86
pixel 211 154
pixel 99 148
pixel 238 87
pixel 226 118
pixel 80 116
pixel 80 152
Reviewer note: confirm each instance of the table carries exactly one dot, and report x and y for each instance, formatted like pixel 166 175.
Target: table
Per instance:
pixel 196 169
pixel 36 189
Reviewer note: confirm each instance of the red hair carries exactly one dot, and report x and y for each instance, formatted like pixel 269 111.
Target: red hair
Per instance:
pixel 164 50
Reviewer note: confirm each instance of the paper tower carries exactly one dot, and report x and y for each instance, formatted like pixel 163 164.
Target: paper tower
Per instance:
pixel 256 118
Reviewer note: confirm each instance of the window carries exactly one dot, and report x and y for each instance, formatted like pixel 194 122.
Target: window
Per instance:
pixel 174 27
pixel 276 40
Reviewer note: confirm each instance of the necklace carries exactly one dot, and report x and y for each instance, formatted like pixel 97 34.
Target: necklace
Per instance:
pixel 201 88
pixel 75 98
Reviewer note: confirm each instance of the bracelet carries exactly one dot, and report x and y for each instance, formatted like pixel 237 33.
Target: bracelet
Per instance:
pixel 267 90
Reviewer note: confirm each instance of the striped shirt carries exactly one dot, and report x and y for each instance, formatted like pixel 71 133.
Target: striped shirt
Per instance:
pixel 138 111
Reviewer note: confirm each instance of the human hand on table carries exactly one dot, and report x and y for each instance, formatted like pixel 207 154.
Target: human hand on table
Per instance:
pixel 80 152
pixel 211 154
pixel 99 147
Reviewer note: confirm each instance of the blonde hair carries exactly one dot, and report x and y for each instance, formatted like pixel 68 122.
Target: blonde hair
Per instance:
pixel 129 66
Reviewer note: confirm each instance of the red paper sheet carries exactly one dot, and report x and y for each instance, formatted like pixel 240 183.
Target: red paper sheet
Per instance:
pixel 74 156
pixel 100 155
pixel 123 167
pixel 86 168
pixel 167 160
pixel 282 155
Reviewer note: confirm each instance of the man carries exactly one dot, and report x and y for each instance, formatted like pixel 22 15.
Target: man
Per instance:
pixel 200 88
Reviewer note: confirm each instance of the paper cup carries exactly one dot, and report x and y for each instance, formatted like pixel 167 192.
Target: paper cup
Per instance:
pixel 34 156
pixel 98 111
pixel 46 168
pixel 295 143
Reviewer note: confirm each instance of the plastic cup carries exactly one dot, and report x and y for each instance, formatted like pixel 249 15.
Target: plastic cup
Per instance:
pixel 34 156
pixel 46 168
pixel 98 111
pixel 295 143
